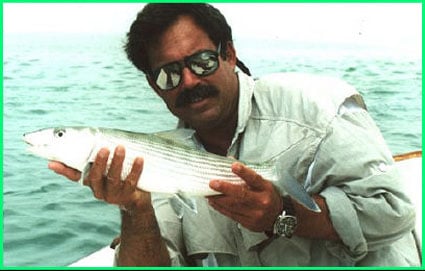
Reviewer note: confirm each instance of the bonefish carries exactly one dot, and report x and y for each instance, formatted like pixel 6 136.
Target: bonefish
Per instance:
pixel 169 166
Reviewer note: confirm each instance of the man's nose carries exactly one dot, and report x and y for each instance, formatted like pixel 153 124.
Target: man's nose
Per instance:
pixel 189 79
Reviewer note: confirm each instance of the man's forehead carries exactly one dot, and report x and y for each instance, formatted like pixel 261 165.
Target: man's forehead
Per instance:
pixel 184 37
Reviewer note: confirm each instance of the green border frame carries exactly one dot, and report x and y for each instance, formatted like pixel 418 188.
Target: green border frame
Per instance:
pixel 195 268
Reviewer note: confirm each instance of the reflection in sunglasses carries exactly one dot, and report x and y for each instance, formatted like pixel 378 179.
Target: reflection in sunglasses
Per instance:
pixel 168 79
pixel 202 63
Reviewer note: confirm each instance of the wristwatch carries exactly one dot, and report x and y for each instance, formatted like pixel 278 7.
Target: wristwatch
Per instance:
pixel 286 223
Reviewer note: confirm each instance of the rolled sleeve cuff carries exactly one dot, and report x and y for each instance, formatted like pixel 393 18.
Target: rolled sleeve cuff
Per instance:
pixel 344 219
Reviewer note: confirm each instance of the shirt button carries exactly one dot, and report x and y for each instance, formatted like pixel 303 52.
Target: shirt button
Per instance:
pixel 383 167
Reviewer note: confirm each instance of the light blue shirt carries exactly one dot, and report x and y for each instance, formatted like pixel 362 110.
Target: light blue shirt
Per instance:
pixel 333 147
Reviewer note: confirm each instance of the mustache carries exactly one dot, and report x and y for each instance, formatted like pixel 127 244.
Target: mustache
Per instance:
pixel 188 96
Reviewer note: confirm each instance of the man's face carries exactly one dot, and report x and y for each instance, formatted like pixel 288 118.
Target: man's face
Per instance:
pixel 201 101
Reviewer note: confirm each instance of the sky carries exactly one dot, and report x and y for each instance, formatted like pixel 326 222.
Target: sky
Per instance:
pixel 372 23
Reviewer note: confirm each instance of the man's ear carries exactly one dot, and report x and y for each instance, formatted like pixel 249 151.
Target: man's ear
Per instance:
pixel 152 85
pixel 230 53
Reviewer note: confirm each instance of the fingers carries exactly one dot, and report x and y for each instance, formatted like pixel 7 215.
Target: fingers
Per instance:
pixel 110 187
pixel 63 170
pixel 238 191
pixel 130 182
pixel 114 173
pixel 115 242
pixel 236 214
pixel 254 181
pixel 254 203
pixel 95 178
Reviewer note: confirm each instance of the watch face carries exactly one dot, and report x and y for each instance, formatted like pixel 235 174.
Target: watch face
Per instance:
pixel 285 225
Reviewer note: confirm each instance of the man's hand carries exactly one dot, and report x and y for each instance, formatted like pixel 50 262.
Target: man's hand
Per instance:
pixel 255 204
pixel 140 240
pixel 109 187
pixel 61 169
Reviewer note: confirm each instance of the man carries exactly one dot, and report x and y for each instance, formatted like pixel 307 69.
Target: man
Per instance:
pixel 318 125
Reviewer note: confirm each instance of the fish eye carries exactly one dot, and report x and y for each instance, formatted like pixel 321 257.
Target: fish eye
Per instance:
pixel 59 132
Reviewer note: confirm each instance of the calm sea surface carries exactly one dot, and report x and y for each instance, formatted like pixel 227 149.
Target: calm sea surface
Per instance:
pixel 83 79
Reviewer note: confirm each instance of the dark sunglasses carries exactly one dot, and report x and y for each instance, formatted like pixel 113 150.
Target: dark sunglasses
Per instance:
pixel 202 63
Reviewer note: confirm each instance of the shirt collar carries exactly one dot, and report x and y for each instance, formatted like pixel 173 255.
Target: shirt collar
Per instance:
pixel 246 90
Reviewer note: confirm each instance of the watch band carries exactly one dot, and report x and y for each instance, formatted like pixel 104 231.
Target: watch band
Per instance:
pixel 288 206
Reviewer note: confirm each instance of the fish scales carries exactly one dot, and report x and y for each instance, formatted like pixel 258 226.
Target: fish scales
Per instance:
pixel 157 143
pixel 216 162
pixel 180 151
pixel 195 165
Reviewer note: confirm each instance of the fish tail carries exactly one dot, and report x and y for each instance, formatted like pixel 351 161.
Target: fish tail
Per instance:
pixel 287 184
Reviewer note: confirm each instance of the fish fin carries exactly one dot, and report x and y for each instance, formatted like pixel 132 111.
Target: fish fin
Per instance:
pixel 178 202
pixel 177 206
pixel 296 191
pixel 85 172
pixel 286 183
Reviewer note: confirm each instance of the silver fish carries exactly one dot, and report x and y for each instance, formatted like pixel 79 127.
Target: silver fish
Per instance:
pixel 169 166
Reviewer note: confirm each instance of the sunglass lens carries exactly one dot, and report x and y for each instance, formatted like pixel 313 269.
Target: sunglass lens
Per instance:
pixel 169 76
pixel 203 63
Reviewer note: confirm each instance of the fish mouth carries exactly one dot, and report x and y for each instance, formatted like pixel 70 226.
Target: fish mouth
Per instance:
pixel 31 146
pixel 27 140
pixel 36 149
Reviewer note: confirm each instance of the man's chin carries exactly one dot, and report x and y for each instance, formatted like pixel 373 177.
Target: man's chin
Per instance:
pixel 203 121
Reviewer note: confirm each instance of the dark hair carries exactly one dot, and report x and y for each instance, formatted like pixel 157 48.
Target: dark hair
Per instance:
pixel 155 19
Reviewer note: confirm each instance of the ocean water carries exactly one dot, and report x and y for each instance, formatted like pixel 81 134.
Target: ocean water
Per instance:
pixel 85 79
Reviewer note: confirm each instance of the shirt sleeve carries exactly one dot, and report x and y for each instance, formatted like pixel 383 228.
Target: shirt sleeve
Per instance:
pixel 355 172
